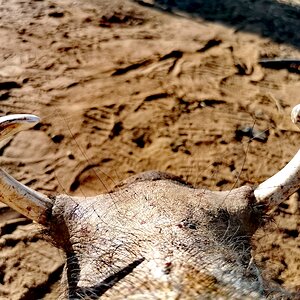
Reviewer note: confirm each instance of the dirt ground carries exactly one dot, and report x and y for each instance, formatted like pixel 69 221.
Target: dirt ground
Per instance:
pixel 123 87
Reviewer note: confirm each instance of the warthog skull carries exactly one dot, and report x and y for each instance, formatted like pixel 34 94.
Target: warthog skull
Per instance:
pixel 154 236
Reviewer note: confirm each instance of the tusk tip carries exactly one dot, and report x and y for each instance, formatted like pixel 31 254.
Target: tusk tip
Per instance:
pixel 295 115
pixel 20 118
pixel 12 124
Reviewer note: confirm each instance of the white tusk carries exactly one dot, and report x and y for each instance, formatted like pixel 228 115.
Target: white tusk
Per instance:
pixel 28 202
pixel 295 115
pixel 280 186
pixel 12 124
pixel 284 183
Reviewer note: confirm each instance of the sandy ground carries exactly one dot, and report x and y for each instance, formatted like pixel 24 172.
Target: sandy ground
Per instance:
pixel 125 87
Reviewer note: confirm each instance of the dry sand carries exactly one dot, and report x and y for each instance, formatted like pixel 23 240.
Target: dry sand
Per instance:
pixel 122 88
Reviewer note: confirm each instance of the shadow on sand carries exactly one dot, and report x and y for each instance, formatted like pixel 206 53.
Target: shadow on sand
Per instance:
pixel 269 18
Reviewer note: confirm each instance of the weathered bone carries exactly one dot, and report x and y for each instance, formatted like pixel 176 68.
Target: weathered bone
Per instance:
pixel 28 202
pixel 287 181
pixel 12 124
pixel 295 115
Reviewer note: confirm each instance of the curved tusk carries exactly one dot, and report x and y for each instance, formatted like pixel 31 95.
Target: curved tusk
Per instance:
pixel 295 115
pixel 28 202
pixel 12 124
pixel 287 181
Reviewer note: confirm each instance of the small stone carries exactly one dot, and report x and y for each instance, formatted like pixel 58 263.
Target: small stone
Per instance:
pixel 252 133
pixel 57 138
pixel 56 14
pixel 70 155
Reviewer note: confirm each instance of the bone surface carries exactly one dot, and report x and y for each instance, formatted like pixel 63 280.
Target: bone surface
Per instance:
pixel 287 181
pixel 12 124
pixel 28 202
pixel 295 115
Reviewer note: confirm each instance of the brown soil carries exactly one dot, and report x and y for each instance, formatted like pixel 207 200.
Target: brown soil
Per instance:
pixel 125 87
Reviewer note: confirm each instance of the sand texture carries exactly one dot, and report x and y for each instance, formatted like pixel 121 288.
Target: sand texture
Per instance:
pixel 128 86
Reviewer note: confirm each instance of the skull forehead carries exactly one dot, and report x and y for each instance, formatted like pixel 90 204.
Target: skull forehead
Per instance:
pixel 148 205
pixel 160 201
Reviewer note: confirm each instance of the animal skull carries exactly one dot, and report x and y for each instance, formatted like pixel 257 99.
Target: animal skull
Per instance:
pixel 154 236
